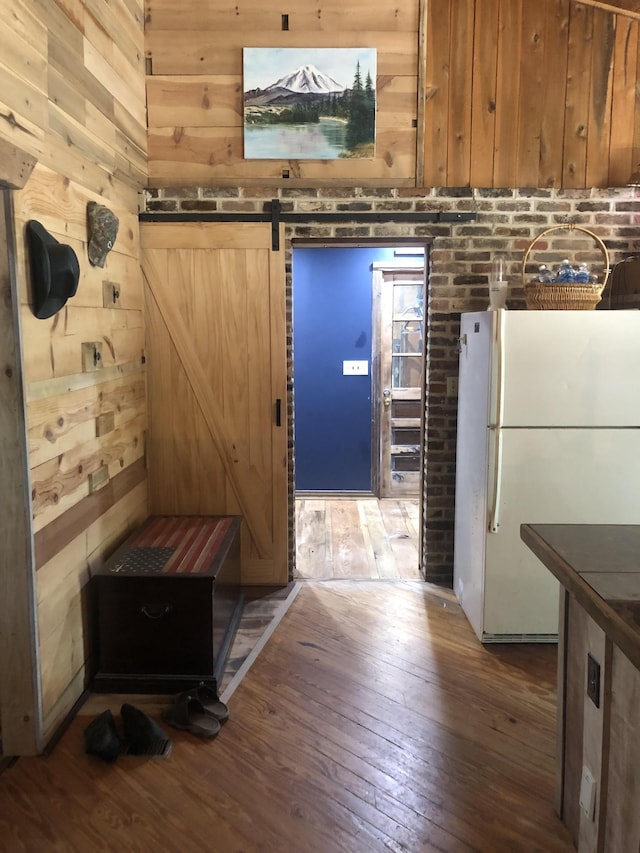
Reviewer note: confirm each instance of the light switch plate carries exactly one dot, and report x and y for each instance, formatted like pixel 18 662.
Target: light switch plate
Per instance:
pixel 355 368
pixel 588 793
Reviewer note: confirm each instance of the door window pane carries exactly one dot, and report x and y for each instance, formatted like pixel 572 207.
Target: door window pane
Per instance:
pixel 404 436
pixel 406 371
pixel 405 462
pixel 407 336
pixel 407 300
pixel 405 409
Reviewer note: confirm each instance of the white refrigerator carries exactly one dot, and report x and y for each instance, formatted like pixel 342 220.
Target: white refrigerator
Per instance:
pixel 548 433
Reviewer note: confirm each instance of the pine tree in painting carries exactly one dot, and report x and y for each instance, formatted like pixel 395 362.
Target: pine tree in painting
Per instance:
pixel 361 122
pixel 370 104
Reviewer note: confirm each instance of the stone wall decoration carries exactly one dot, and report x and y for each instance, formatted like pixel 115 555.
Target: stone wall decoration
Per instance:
pixel 103 229
pixel 55 271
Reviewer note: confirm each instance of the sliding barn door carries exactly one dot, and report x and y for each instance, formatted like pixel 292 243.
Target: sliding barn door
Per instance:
pixel 217 381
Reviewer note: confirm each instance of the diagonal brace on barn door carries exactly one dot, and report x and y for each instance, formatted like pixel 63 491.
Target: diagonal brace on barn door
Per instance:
pixel 236 469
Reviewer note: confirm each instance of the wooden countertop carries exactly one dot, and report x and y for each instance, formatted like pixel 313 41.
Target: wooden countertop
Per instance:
pixel 599 564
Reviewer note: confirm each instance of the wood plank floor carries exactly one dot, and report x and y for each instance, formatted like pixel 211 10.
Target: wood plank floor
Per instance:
pixel 356 538
pixel 372 720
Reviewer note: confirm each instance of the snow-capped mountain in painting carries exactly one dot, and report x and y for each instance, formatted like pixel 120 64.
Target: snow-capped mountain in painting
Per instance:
pixel 308 80
pixel 305 85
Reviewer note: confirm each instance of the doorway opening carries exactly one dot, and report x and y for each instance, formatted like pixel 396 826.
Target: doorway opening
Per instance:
pixel 358 406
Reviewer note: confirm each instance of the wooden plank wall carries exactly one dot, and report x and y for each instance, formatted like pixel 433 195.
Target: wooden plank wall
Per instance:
pixel 20 721
pixel 73 96
pixel 522 94
pixel 515 93
pixel 194 91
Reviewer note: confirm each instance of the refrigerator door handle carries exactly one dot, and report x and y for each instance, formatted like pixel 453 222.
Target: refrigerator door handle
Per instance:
pixel 494 516
pixel 495 429
pixel 499 357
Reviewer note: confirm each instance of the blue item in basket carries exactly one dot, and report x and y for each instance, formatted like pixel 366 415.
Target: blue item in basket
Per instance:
pixel 566 272
pixel 582 275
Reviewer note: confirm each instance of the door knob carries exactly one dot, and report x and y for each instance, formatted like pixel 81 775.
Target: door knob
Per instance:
pixel 386 398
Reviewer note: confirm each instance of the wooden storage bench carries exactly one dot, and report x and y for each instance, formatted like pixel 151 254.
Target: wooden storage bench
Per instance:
pixel 167 604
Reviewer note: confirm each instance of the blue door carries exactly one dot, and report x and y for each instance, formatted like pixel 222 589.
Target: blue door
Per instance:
pixel 332 301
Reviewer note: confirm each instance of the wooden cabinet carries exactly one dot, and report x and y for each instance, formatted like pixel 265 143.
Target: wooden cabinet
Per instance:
pixel 601 740
pixel 598 753
pixel 582 742
pixel 622 830
pixel 167 604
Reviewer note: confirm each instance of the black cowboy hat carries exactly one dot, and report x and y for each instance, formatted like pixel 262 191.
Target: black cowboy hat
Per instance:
pixel 54 271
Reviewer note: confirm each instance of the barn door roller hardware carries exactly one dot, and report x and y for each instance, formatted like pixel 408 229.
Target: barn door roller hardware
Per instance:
pixel 275 215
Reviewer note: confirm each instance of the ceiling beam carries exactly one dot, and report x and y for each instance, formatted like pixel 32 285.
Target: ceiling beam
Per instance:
pixel 629 8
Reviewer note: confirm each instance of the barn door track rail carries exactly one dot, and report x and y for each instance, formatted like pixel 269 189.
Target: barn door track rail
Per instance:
pixel 275 215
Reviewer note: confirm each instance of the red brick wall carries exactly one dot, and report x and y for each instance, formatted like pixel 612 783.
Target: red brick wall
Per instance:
pixel 506 221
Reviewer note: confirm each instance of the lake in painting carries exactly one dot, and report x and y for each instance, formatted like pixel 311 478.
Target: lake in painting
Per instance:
pixel 322 140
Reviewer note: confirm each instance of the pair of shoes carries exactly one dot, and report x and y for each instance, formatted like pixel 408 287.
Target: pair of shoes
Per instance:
pixel 198 711
pixel 142 735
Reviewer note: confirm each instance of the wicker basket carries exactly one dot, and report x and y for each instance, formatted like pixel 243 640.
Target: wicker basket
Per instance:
pixel 571 296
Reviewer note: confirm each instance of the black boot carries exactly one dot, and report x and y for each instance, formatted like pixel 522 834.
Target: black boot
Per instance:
pixel 143 736
pixel 101 737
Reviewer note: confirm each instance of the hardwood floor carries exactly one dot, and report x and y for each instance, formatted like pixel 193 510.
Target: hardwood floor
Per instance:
pixel 372 720
pixel 356 538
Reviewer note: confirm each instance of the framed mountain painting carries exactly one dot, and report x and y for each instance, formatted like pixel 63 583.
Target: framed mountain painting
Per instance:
pixel 309 103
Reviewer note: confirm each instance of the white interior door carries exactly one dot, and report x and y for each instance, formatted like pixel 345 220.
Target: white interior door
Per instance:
pixel 401 358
